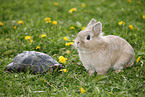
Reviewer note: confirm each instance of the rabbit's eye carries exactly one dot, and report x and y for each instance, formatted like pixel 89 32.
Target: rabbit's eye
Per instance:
pixel 88 37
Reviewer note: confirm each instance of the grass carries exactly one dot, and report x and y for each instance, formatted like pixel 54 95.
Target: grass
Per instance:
pixel 129 82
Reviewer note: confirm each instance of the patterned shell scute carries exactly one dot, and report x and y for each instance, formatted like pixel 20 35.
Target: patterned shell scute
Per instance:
pixel 36 62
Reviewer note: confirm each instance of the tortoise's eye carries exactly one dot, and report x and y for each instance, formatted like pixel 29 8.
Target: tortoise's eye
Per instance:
pixel 88 37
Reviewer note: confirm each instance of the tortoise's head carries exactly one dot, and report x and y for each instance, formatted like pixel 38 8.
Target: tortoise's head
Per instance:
pixel 9 68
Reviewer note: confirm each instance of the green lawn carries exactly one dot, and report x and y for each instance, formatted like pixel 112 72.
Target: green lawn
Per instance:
pixel 129 82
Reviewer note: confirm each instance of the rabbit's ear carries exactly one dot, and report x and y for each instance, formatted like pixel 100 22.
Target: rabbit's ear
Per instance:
pixel 97 28
pixel 92 21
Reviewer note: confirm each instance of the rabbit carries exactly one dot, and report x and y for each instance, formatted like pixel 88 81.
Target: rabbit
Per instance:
pixel 99 53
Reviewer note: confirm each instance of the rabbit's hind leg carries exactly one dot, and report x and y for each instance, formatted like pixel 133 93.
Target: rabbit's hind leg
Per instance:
pixel 130 63
pixel 124 60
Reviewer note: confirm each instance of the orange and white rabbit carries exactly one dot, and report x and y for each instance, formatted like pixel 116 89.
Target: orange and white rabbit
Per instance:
pixel 99 53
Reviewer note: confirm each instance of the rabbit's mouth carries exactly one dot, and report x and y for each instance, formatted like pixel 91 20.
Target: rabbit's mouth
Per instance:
pixel 81 48
pixel 78 47
pixel 84 49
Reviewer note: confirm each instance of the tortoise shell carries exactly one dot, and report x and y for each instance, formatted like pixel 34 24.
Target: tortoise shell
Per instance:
pixel 35 62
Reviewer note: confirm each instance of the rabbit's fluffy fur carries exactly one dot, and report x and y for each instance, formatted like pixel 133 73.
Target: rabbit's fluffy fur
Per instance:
pixel 99 53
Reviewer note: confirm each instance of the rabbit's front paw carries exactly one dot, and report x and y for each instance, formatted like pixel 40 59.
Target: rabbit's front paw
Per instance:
pixel 117 71
pixel 91 71
pixel 100 73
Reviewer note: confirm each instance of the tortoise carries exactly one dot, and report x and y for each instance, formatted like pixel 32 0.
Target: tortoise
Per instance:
pixel 35 62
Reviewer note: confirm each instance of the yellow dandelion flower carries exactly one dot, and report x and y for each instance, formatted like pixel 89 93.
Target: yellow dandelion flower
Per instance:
pixel 62 59
pixel 54 22
pixel 72 27
pixel 69 44
pixel 15 27
pixel 64 70
pixel 82 90
pixel 121 23
pixel 72 10
pixel 31 40
pixel 43 35
pixel 131 27
pixel 47 19
pixel 55 3
pixel 38 47
pixel 83 28
pixel 20 22
pixel 138 2
pixel 45 81
pixel 1 24
pixel 143 16
pixel 65 38
pixel 27 37
pixel 73 40
pixel 68 52
pixel 138 59
pixel 129 1
pixel 83 5
pixel 8 39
